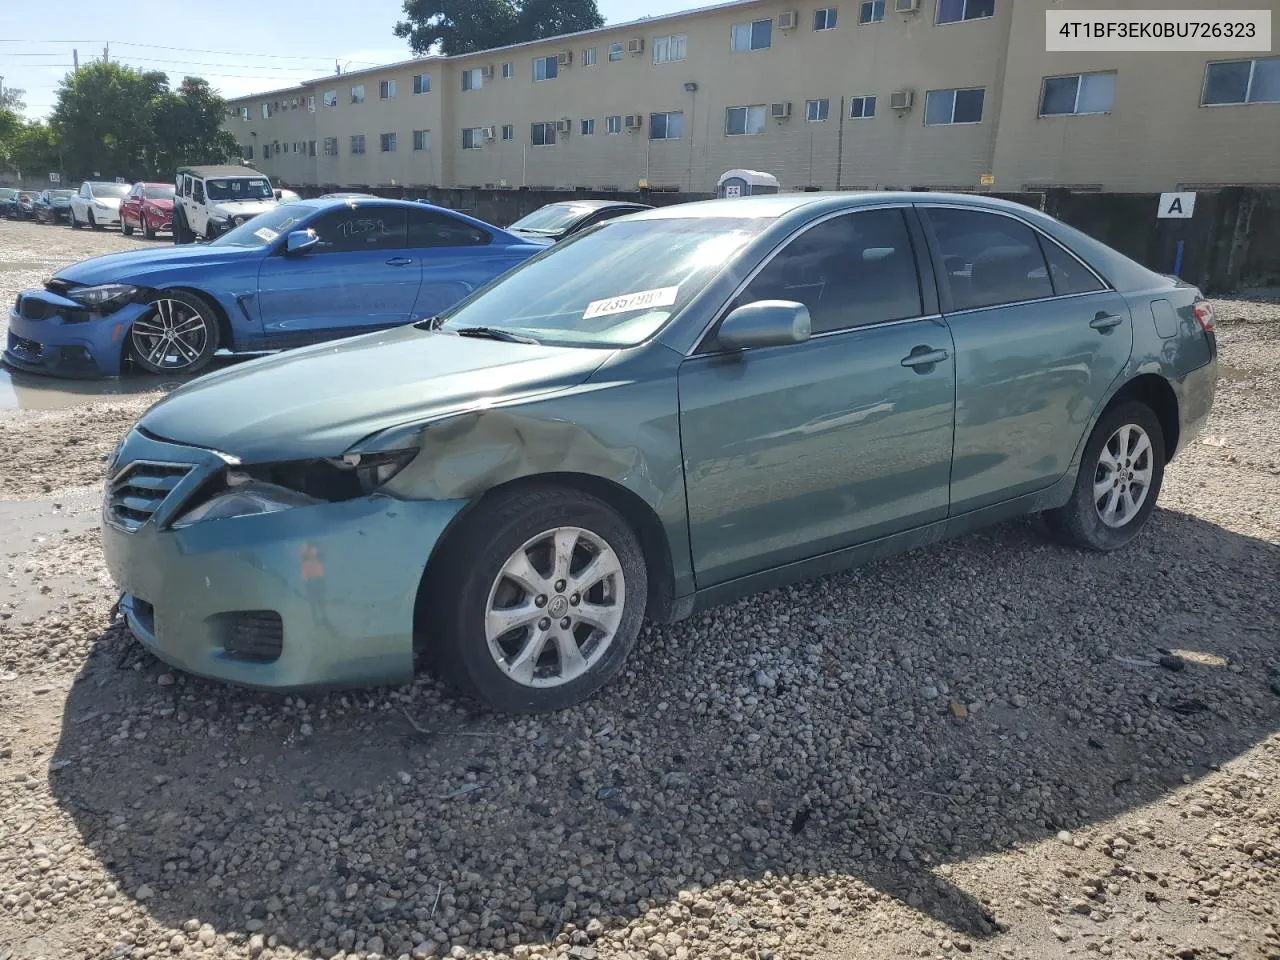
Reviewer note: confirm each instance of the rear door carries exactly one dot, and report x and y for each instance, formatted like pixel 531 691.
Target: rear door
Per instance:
pixel 360 277
pixel 455 257
pixel 1039 339
pixel 798 450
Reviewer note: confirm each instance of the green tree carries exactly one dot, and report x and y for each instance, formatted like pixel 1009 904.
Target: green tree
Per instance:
pixel 34 150
pixel 186 127
pixel 463 26
pixel 13 99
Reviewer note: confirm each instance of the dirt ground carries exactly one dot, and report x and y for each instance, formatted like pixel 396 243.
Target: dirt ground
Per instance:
pixel 995 747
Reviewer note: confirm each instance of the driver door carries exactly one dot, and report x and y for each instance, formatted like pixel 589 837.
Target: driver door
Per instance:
pixel 358 278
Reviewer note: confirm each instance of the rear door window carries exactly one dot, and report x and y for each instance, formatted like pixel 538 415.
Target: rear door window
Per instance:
pixel 988 259
pixel 428 229
pixel 850 271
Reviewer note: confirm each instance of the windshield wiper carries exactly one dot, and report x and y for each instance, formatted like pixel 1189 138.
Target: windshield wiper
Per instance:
pixel 492 333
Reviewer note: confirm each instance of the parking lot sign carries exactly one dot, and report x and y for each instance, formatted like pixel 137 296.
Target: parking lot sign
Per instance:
pixel 55 178
pixel 1176 206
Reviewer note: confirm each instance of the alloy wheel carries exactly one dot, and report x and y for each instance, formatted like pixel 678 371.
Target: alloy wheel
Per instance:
pixel 1122 479
pixel 172 337
pixel 555 607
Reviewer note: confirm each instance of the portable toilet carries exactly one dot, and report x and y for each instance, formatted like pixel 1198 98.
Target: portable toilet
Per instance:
pixel 745 183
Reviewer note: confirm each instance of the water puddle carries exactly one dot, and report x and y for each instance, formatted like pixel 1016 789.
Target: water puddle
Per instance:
pixel 29 391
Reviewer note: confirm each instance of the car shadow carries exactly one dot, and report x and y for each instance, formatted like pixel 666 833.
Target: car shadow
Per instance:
pixel 870 725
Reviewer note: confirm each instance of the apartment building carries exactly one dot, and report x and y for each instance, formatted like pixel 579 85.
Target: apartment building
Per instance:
pixel 837 94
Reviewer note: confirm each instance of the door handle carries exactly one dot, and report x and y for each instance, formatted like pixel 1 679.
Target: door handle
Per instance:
pixel 924 357
pixel 1105 321
pixel 399 261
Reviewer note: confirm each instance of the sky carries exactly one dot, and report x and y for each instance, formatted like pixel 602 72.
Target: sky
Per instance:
pixel 239 46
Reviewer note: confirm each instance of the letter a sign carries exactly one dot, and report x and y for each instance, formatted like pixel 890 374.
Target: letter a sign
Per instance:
pixel 1176 206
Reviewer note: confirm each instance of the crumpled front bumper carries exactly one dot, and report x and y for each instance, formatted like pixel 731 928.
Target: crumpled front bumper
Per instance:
pixel 340 580
pixel 68 340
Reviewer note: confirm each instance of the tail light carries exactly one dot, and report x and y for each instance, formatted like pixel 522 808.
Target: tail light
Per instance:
pixel 1204 315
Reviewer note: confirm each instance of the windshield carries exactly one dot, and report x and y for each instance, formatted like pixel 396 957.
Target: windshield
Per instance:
pixel 238 188
pixel 158 191
pixel 609 288
pixel 109 189
pixel 265 227
pixel 61 194
pixel 552 218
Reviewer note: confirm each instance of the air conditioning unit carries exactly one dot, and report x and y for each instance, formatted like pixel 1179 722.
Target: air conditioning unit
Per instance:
pixel 565 59
pixel 487 132
pixel 487 72
pixel 901 99
pixel 635 46
pixel 787 20
pixel 564 126
pixel 634 121
pixel 780 111
pixel 906 6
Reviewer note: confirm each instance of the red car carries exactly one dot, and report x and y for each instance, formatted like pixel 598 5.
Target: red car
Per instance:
pixel 149 208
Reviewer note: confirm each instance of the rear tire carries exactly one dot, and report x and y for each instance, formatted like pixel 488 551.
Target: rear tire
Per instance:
pixel 181 233
pixel 580 625
pixel 1119 481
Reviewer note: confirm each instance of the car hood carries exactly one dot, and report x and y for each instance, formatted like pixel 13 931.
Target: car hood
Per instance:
pixel 241 208
pixel 319 401
pixel 147 266
pixel 107 202
pixel 160 204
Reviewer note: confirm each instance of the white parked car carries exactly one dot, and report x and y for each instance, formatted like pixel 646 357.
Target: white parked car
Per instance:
pixel 209 201
pixel 97 204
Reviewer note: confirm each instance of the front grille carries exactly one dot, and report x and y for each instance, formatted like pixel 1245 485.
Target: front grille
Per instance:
pixel 256 636
pixel 136 494
pixel 22 345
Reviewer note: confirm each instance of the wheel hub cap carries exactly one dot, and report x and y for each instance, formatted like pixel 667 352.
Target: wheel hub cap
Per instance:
pixel 1122 478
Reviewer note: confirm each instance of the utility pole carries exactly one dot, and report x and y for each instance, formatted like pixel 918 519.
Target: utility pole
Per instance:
pixel 75 60
pixel 106 53
pixel 337 68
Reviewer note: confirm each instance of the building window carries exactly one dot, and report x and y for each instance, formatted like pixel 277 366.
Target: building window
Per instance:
pixel 542 134
pixel 244 114
pixel 508 131
pixel 745 121
pixel 860 108
pixel 615 51
pixel 266 111
pixel 545 68
pixel 824 19
pixel 612 124
pixel 422 139
pixel 1081 94
pixel 386 89
pixel 953 106
pixel 311 148
pixel 311 104
pixel 357 93
pixel 871 11
pixel 297 147
pixel 816 111
pixel 954 11
pixel 330 146
pixel 387 141
pixel 330 98
pixel 666 126
pixel 247 151
pixel 293 104
pixel 756 35
pixel 669 49
pixel 508 71
pixel 357 143
pixel 473 138
pixel 589 57
pixel 472 79
pixel 421 83
pixel 1242 81
pixel 588 127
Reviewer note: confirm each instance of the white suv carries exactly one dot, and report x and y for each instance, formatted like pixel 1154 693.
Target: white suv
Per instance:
pixel 208 201
pixel 97 204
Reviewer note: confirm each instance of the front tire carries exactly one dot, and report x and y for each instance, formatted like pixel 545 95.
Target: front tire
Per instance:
pixel 147 232
pixel 179 334
pixel 541 601
pixel 93 221
pixel 1119 481
pixel 75 223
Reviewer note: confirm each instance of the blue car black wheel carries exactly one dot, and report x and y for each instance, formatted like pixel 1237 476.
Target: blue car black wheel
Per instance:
pixel 180 335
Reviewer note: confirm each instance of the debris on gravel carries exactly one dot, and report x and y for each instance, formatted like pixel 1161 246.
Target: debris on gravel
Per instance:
pixel 968 750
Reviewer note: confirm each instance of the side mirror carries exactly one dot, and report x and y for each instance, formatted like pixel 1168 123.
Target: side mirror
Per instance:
pixel 765 323
pixel 300 241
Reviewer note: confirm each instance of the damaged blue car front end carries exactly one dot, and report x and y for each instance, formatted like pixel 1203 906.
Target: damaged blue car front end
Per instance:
pixel 72 331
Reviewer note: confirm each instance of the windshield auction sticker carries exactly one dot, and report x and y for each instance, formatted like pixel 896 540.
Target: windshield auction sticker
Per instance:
pixel 265 234
pixel 661 297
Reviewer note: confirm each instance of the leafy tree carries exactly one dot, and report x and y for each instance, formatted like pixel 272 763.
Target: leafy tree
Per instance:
pixel 103 119
pixel 463 26
pixel 186 127
pixel 34 149
pixel 13 99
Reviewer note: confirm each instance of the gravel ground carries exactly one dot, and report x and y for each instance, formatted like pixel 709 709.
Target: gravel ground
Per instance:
pixel 972 749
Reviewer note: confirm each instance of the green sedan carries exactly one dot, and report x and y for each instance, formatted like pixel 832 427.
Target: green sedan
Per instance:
pixel 656 416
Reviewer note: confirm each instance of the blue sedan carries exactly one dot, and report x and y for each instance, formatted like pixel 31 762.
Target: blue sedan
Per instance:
pixel 299 274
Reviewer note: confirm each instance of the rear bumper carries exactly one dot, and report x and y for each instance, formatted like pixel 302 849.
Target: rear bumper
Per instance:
pixel 55 345
pixel 339 581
